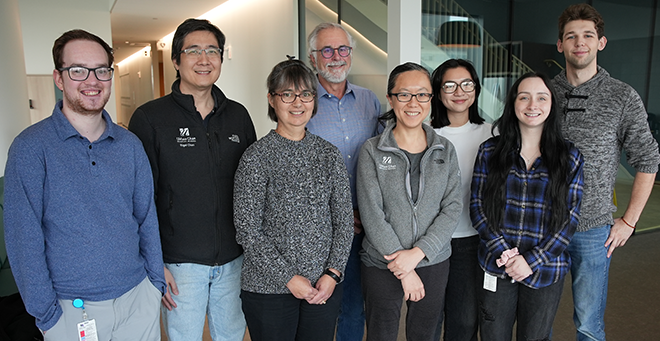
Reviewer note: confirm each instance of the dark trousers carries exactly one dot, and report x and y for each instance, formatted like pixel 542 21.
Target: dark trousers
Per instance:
pixel 534 309
pixel 350 325
pixel 383 295
pixel 461 317
pixel 272 317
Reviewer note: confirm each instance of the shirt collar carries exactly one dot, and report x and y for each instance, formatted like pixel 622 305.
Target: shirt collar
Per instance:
pixel 321 92
pixel 65 130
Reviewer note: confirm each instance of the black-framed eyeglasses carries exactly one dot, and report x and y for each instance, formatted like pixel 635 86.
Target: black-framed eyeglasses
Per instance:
pixel 451 87
pixel 81 73
pixel 327 52
pixel 290 97
pixel 404 97
pixel 211 52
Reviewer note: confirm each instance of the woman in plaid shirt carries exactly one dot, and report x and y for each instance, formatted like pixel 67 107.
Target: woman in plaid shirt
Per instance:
pixel 526 195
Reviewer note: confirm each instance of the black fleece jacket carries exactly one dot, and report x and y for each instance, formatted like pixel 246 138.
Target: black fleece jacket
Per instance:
pixel 193 164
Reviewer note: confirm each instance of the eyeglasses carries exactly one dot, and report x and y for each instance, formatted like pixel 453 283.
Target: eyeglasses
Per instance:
pixel 405 97
pixel 327 52
pixel 211 52
pixel 80 73
pixel 290 97
pixel 451 87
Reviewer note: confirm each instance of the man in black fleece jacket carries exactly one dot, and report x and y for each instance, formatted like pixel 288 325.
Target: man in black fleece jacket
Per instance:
pixel 194 138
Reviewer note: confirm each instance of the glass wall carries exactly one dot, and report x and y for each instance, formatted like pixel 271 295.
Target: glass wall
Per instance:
pixel 514 36
pixel 504 39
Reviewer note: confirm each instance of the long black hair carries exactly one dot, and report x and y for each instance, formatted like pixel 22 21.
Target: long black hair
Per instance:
pixel 554 150
pixel 439 116
pixel 391 83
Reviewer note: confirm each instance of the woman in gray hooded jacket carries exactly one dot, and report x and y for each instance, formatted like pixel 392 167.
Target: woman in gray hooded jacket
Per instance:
pixel 409 195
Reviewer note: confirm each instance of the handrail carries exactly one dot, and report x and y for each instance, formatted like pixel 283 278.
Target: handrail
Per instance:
pixel 549 62
pixel 497 60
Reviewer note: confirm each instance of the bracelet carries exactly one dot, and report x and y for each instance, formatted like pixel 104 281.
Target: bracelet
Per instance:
pixel 332 275
pixel 625 222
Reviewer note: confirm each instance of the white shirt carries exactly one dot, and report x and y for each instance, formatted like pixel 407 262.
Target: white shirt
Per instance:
pixel 466 139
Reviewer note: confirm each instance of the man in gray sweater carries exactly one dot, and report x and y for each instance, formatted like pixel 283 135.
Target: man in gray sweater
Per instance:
pixel 590 98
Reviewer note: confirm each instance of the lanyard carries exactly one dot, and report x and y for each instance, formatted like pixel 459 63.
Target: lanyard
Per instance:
pixel 78 303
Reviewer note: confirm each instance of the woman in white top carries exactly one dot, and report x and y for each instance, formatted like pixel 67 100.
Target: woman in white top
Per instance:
pixel 455 116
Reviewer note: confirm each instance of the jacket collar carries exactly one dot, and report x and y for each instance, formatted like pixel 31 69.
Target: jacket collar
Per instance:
pixel 187 102
pixel 387 140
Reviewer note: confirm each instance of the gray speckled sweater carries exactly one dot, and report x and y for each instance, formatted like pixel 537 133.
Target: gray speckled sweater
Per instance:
pixel 602 116
pixel 292 211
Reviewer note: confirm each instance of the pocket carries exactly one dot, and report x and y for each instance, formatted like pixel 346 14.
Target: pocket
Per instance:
pixel 56 332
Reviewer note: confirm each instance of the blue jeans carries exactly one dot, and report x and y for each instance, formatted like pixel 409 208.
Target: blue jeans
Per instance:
pixel 206 290
pixel 350 325
pixel 461 317
pixel 590 269
pixel 533 309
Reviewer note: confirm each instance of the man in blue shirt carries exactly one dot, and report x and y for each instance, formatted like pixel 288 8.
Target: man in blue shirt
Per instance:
pixel 80 221
pixel 347 116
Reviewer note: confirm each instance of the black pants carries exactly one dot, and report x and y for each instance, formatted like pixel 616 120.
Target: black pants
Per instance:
pixel 286 318
pixel 461 317
pixel 534 309
pixel 383 295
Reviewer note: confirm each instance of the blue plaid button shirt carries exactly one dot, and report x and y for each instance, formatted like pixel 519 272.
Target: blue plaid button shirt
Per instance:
pixel 526 216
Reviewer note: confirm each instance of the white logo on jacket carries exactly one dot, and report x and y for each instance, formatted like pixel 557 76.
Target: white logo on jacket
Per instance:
pixel 235 138
pixel 386 164
pixel 184 139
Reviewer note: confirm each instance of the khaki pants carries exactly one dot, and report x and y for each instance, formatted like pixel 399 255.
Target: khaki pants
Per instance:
pixel 134 315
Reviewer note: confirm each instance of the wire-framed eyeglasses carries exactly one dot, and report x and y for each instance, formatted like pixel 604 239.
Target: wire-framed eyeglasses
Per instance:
pixel 451 87
pixel 290 97
pixel 81 73
pixel 211 52
pixel 327 52
pixel 404 97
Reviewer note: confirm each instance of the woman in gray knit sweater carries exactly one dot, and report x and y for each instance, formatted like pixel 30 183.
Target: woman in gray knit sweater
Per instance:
pixel 293 217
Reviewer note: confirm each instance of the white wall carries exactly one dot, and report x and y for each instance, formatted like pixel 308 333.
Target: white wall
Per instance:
pixel 15 113
pixel 43 21
pixel 134 84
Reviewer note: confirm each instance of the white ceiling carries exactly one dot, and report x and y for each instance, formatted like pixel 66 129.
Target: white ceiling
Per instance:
pixel 142 21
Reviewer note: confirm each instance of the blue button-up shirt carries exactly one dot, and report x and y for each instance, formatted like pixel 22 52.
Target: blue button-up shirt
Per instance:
pixel 347 123
pixel 526 217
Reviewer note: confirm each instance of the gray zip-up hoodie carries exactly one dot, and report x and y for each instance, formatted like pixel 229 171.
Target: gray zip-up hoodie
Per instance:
pixel 602 116
pixel 391 220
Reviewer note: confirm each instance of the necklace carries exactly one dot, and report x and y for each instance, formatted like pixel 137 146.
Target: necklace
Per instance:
pixel 530 160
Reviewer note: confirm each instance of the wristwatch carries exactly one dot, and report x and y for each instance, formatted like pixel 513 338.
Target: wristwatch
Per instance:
pixel 333 276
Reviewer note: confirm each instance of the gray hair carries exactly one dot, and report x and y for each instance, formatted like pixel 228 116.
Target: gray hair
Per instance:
pixel 311 39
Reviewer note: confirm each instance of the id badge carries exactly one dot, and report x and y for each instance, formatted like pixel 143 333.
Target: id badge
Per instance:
pixel 490 282
pixel 87 330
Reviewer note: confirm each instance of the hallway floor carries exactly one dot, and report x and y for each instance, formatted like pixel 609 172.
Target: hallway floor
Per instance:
pixel 633 307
